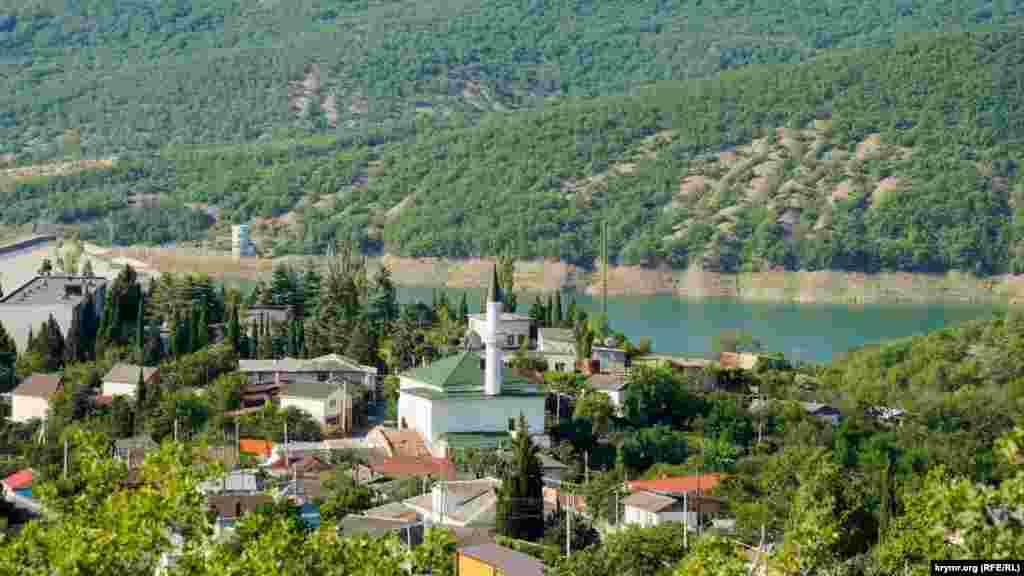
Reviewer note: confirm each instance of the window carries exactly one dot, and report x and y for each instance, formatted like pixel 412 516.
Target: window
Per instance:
pixel 332 403
pixel 511 340
pixel 511 424
pixel 522 337
pixel 559 366
pixel 321 376
pixel 404 423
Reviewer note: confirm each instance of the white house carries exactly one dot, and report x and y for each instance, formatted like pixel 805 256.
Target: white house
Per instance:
pixel 31 399
pixel 613 385
pixel 325 401
pixel 649 509
pixel 558 347
pixel 465 393
pixel 123 379
pixel 515 329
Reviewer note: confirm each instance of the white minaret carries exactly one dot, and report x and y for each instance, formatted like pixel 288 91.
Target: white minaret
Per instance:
pixel 492 373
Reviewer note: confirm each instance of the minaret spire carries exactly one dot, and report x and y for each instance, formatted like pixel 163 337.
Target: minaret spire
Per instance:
pixel 493 363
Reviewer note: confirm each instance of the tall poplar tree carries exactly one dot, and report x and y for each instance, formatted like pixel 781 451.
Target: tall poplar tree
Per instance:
pixel 558 319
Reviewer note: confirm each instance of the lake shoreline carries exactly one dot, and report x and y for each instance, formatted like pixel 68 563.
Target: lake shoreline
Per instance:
pixel 540 276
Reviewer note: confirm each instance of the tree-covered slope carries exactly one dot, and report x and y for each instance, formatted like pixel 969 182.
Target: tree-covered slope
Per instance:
pixel 116 76
pixel 905 158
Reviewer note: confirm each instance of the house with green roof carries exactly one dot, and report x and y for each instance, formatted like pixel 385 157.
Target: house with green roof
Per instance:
pixel 469 393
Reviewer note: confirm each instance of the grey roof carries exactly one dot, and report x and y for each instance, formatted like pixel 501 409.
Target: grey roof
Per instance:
pixel 24 309
pixel 364 525
pixel 57 289
pixel 129 373
pixel 549 462
pixel 307 389
pixel 38 385
pixel 392 511
pixel 558 335
pixel 328 363
pixel 819 408
pixel 505 559
pixel 648 501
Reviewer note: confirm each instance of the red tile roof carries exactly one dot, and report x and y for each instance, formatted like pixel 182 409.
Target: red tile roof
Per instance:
pixel 18 480
pixel 38 385
pixel 256 447
pixel 678 484
pixel 406 466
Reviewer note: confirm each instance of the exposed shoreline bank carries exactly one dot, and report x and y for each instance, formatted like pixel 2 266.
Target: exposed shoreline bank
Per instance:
pixel 818 287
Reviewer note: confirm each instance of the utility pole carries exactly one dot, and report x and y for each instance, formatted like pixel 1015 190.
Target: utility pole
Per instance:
pixel 175 429
pixel 686 523
pixel 568 531
pixel 604 268
pixel 238 445
pixel 65 457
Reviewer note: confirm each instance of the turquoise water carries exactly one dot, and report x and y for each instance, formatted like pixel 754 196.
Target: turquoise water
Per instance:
pixel 804 332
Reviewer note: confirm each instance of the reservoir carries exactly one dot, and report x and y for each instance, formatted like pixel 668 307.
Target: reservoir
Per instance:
pixel 805 332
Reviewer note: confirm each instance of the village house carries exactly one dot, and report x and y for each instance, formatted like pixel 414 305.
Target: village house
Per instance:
pixel 464 393
pixel 495 560
pixel 132 451
pixel 824 412
pixel 233 482
pixel 409 532
pixel 675 499
pixel 698 369
pixel 609 359
pixel 31 399
pixel 329 368
pixel 611 384
pixel 558 347
pixel 515 330
pixel 327 403
pixel 23 310
pixel 459 503
pixel 262 313
pixel 229 508
pixel 124 378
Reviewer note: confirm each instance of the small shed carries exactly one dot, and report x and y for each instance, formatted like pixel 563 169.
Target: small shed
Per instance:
pixel 495 560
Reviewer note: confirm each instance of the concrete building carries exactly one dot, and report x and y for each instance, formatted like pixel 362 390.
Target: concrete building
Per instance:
pixel 241 245
pixel 468 394
pixel 326 402
pixel 515 329
pixel 27 307
pixel 31 399
pixel 558 347
pixel 124 378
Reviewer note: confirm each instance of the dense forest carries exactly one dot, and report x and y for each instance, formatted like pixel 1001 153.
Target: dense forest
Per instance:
pixel 868 156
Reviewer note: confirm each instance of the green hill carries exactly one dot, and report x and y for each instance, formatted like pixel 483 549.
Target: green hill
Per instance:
pixel 899 158
pixel 129 75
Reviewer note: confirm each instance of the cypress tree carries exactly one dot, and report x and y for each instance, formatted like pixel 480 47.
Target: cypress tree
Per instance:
pixel 254 350
pixel 463 308
pixel 520 508
pixel 550 309
pixel 140 333
pixel 73 347
pixel 141 394
pixel 558 320
pixel 570 314
pixel 88 326
pixel 202 334
pixel 234 330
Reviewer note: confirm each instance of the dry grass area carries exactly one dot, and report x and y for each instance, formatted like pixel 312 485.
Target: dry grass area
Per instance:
pixel 184 261
pixel 56 168
pixel 631 280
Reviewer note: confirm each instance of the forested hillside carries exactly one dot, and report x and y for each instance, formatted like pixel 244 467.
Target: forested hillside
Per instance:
pixel 322 120
pixel 127 75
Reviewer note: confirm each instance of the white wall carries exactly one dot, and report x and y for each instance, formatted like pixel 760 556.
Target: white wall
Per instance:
pixel 118 389
pixel 519 328
pixel 639 517
pixel 568 360
pixel 616 396
pixel 24 408
pixel 314 406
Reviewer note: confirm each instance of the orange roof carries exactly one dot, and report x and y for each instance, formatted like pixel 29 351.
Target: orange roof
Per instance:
pixel 678 484
pixel 256 447
pixel 18 480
